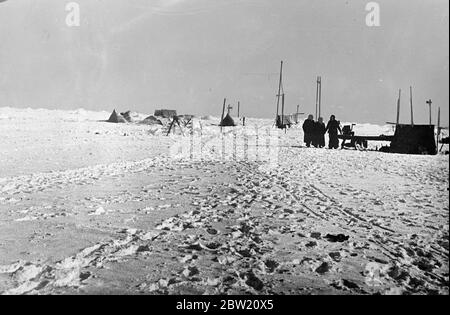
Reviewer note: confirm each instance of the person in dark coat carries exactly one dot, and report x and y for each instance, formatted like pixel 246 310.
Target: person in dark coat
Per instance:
pixel 333 127
pixel 319 133
pixel 308 130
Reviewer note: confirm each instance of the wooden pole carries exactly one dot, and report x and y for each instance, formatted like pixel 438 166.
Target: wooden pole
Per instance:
pixel 239 109
pixel 429 102
pixel 170 127
pixel 223 108
pixel 320 97
pixel 181 128
pixel 438 129
pixel 296 115
pixel 279 89
pixel 317 96
pixel 411 104
pixel 223 112
pixel 398 106
pixel 282 114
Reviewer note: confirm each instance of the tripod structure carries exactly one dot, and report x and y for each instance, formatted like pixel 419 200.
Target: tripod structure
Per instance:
pixel 175 120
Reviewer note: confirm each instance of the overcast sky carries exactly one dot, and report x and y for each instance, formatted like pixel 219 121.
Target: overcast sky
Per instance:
pixel 190 54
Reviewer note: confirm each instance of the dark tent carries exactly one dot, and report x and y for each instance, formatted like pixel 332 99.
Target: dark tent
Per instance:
pixel 227 121
pixel 151 120
pixel 116 118
pixel 414 139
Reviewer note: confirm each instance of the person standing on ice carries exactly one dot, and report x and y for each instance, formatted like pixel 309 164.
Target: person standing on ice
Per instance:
pixel 333 127
pixel 308 130
pixel 319 133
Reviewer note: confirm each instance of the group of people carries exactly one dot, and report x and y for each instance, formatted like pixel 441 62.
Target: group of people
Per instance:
pixel 315 132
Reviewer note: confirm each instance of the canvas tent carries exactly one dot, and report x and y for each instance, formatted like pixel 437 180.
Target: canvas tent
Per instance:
pixel 166 113
pixel 151 120
pixel 227 121
pixel 116 118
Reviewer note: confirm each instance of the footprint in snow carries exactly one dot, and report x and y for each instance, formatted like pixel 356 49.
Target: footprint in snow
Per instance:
pixel 323 268
pixel 339 238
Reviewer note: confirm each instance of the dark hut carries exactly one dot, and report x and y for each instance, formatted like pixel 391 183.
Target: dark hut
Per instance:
pixel 413 139
pixel 165 113
pixel 227 121
pixel 116 118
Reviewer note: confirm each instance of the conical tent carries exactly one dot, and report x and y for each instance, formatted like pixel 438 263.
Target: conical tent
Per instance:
pixel 227 121
pixel 116 118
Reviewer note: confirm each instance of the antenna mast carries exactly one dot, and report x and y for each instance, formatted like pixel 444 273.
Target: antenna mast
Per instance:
pixel 411 103
pixel 280 87
pixel 429 102
pixel 398 106
pixel 318 96
pixel 438 129
pixel 223 112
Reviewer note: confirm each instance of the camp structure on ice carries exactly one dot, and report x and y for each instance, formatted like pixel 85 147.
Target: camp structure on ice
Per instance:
pixel 407 139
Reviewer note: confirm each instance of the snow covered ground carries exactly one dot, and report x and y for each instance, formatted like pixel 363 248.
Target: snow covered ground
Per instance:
pixel 92 207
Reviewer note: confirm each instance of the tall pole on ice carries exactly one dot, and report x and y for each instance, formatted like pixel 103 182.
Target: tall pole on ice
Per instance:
pixel 411 104
pixel 279 90
pixel 317 96
pixel 438 129
pixel 282 113
pixel 223 113
pixel 398 106
pixel 320 97
pixel 429 102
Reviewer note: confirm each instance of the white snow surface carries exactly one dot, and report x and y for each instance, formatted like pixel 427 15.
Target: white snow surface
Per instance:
pixel 93 207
